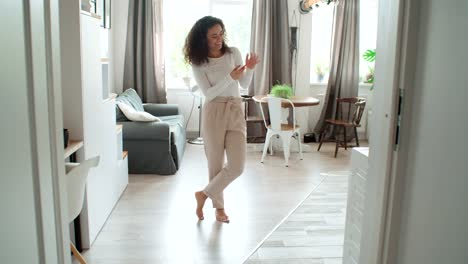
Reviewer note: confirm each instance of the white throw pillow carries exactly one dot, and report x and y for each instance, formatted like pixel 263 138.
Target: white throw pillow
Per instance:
pixel 135 115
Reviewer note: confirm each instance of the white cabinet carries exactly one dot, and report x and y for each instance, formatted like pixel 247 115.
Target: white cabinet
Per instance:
pixel 106 182
pixel 355 209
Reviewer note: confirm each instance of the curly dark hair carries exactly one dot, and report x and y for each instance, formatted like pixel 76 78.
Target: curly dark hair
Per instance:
pixel 196 45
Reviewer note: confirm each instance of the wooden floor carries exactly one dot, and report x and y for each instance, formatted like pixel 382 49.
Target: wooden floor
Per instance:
pixel 314 232
pixel 155 220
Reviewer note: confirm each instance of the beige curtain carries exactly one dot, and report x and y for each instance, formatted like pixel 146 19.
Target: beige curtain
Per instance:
pixel 270 40
pixel 344 69
pixel 144 57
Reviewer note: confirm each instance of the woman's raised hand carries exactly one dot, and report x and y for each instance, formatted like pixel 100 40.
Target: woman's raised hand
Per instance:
pixel 251 60
pixel 236 74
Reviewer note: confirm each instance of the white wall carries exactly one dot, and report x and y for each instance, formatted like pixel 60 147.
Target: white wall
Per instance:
pixel 435 196
pixel 301 78
pixel 301 72
pixel 72 98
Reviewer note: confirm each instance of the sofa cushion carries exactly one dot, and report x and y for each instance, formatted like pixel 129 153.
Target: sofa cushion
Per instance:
pixel 130 98
pixel 177 134
pixel 176 125
pixel 135 115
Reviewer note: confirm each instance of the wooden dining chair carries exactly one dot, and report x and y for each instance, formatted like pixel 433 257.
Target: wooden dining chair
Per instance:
pixel 349 113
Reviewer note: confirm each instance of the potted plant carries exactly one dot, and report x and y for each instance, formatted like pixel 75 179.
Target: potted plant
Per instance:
pixel 370 75
pixel 282 90
pixel 319 70
pixel 369 55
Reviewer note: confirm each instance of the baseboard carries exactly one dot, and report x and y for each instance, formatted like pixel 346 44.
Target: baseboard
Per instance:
pixel 191 134
pixel 254 147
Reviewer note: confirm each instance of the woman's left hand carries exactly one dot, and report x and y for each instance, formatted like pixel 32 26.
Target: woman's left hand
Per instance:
pixel 251 60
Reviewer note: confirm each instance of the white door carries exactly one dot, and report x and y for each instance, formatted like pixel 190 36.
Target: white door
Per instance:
pixel 417 211
pixel 383 127
pixel 31 229
pixel 431 226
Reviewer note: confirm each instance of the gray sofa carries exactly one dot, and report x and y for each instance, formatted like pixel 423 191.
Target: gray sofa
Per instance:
pixel 153 147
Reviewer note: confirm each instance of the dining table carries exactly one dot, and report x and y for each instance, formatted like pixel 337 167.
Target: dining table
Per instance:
pixel 298 101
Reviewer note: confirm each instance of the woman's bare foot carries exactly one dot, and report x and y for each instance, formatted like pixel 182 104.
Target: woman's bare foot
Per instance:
pixel 221 216
pixel 201 198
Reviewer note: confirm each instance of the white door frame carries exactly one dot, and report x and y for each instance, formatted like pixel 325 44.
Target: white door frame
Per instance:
pixel 56 115
pixel 395 60
pixel 409 18
pixel 43 44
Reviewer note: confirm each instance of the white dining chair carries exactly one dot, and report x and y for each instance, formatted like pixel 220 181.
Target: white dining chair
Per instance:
pixel 76 176
pixel 276 127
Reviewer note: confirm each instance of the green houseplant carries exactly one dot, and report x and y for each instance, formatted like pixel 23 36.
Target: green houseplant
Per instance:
pixel 369 55
pixel 282 90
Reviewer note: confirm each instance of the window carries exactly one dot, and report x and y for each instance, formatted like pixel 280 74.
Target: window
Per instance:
pixel 321 40
pixel 179 17
pixel 368 36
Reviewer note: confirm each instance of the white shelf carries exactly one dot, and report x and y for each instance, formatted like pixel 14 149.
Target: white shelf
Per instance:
pixel 121 154
pixel 110 97
pixel 93 15
pixel 118 128
pixel 72 147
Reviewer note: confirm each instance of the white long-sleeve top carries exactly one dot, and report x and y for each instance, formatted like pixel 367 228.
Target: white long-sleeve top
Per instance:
pixel 214 77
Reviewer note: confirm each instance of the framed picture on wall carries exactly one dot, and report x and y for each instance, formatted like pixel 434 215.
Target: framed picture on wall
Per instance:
pixel 93 6
pixel 106 18
pixel 103 8
pixel 89 6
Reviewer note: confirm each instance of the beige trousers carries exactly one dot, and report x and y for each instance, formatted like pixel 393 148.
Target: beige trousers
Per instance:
pixel 224 131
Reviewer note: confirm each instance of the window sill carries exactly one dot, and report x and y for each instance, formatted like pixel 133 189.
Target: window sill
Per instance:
pixel 361 84
pixel 178 91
